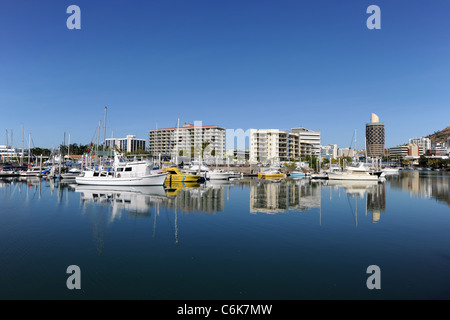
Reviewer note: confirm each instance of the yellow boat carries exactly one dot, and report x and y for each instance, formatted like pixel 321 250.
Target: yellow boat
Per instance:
pixel 271 174
pixel 175 175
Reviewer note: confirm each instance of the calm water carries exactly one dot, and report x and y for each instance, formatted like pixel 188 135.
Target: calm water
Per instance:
pixel 244 239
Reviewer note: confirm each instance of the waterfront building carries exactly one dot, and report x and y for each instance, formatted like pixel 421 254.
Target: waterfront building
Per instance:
pixel 346 152
pixel 128 144
pixel 237 155
pixel 330 151
pixel 310 137
pixel 7 153
pixel 374 137
pixel 438 149
pixel 425 143
pixel 189 140
pixel 274 145
pixel 405 151
pixel 264 145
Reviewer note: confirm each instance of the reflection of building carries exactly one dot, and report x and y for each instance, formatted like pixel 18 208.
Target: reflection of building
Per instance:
pixel 376 201
pixel 207 198
pixel 424 185
pixel 374 137
pixel 275 197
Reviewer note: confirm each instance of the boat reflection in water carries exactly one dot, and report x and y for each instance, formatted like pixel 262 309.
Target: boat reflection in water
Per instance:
pixel 373 190
pixel 137 199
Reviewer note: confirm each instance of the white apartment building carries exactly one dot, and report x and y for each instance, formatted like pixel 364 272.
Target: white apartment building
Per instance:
pixel 309 137
pixel 274 145
pixel 128 144
pixel 264 145
pixel 425 143
pixel 189 140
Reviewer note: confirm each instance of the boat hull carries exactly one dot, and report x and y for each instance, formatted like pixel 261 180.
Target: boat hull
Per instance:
pixel 218 175
pixel 271 175
pixel 148 180
pixel 358 177
pixel 297 175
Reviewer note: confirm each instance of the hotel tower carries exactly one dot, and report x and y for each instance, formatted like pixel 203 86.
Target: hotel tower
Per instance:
pixel 374 137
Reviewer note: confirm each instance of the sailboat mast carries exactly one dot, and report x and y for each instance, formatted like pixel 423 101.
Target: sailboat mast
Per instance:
pixel 68 148
pixel 23 148
pixel 29 151
pixel 104 134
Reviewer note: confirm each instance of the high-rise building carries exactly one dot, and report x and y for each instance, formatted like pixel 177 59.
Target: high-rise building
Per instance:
pixel 274 145
pixel 189 140
pixel 374 137
pixel 425 143
pixel 309 137
pixel 128 144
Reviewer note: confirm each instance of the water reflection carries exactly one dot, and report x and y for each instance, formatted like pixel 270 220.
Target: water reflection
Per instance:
pixel 136 200
pixel 424 184
pixel 373 191
pixel 275 197
pixel 265 196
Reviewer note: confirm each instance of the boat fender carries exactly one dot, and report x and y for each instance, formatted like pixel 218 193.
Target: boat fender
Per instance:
pixel 118 175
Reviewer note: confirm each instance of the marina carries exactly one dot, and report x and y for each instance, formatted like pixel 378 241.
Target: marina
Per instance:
pixel 209 152
pixel 247 238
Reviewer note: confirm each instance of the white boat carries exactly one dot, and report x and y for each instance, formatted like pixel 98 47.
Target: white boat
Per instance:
pixel 390 170
pixel 71 174
pixel 207 173
pixel 359 172
pixel 320 175
pixel 124 173
pixel 8 173
pixel 32 172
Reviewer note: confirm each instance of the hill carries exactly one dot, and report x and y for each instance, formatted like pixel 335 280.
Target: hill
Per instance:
pixel 440 136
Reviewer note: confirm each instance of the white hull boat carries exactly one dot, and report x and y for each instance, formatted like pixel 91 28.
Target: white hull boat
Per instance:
pixel 360 173
pixel 389 171
pixel 32 172
pixel 209 174
pixel 135 173
pixel 111 180
pixel 71 174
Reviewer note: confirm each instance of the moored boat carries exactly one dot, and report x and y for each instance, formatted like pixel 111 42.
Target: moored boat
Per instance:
pixel 359 172
pixel 175 175
pixel 271 174
pixel 124 173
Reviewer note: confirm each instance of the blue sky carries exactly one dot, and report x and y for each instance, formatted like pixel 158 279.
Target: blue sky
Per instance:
pixel 233 63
